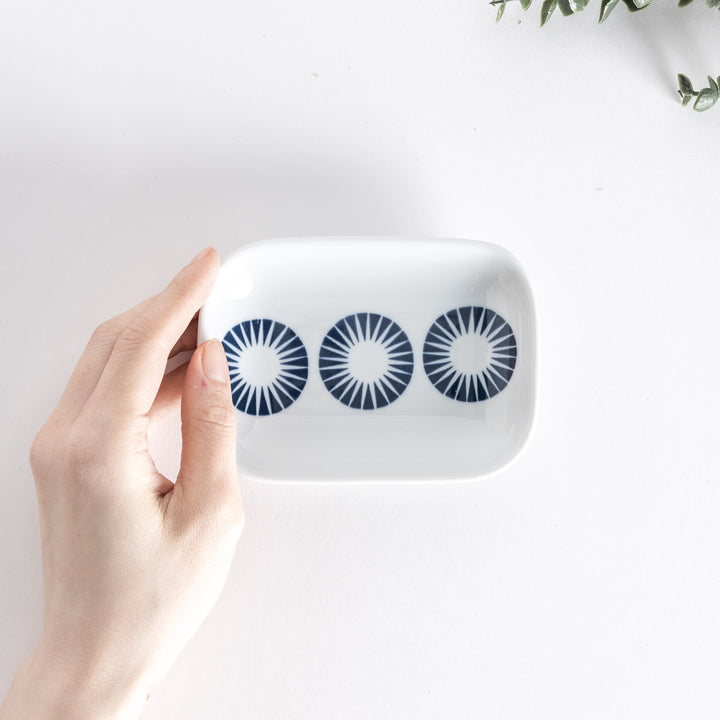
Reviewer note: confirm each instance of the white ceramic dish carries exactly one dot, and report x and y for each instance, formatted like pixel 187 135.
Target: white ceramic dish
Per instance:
pixel 375 358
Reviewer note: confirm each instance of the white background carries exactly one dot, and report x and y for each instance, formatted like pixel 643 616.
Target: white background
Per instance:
pixel 582 582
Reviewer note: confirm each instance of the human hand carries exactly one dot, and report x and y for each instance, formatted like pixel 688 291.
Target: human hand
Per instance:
pixel 132 564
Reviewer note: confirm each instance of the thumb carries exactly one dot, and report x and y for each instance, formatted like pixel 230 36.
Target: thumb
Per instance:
pixel 208 470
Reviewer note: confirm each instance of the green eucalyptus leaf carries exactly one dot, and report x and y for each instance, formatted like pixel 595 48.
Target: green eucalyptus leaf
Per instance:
pixel 685 98
pixel 578 5
pixel 525 4
pixel 686 87
pixel 635 5
pixel 713 84
pixel 684 3
pixel 606 8
pixel 705 99
pixel 565 8
pixel 548 8
pixel 501 10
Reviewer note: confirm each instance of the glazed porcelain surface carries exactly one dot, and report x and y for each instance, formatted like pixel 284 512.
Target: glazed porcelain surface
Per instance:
pixel 375 358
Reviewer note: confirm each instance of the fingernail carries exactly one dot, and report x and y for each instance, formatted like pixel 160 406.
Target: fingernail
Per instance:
pixel 200 255
pixel 214 363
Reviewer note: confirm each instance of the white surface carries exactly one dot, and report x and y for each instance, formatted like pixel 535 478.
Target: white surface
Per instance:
pixel 583 582
pixel 307 285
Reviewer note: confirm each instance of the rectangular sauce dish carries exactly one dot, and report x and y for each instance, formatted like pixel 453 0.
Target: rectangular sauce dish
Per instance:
pixel 375 358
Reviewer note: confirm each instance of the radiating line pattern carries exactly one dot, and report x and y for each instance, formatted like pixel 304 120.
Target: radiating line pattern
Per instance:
pixel 280 391
pixel 489 376
pixel 336 361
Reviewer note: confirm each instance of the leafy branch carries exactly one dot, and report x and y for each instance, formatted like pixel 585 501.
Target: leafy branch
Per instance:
pixel 704 99
pixel 570 7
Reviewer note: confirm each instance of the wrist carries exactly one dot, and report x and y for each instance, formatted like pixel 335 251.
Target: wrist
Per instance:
pixel 50 684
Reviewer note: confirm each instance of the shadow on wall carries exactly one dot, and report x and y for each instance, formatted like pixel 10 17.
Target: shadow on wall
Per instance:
pixel 669 38
pixel 190 201
pixel 267 197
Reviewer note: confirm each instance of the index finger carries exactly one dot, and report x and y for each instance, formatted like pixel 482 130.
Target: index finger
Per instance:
pixel 133 373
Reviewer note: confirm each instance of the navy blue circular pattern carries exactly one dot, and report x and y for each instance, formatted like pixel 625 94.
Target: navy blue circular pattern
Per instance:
pixel 288 353
pixel 386 340
pixel 488 377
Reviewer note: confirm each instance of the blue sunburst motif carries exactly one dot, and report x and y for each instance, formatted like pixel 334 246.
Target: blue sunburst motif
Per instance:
pixel 470 354
pixel 268 366
pixel 366 361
